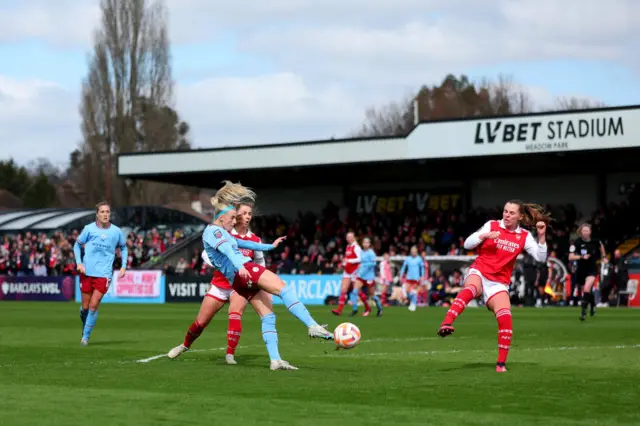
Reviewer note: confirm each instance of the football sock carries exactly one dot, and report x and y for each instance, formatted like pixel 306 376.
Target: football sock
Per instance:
pixel 233 332
pixel 505 332
pixel 458 305
pixel 353 298
pixel 365 300
pixel 270 336
pixel 341 301
pixel 295 306
pixel 92 318
pixel 378 303
pixel 83 315
pixel 195 330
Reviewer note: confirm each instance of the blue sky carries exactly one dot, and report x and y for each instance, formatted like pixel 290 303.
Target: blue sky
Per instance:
pixel 251 72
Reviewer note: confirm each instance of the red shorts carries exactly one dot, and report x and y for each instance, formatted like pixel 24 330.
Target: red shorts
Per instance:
pixel 411 284
pixel 364 283
pixel 249 287
pixel 88 284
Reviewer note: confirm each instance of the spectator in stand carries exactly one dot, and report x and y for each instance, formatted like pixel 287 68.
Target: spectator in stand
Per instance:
pixel 27 254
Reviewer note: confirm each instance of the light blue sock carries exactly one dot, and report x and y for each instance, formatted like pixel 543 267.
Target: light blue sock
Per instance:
pixel 270 336
pixel 413 298
pixel 376 299
pixel 354 299
pixel 295 306
pixel 92 318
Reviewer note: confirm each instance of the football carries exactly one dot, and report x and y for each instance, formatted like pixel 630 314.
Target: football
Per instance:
pixel 346 335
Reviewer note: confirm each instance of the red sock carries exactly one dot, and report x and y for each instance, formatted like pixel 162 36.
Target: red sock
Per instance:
pixel 233 332
pixel 505 331
pixel 383 297
pixel 365 301
pixel 341 301
pixel 465 296
pixel 195 330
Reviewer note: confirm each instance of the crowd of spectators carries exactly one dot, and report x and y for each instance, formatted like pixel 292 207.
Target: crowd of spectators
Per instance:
pixel 315 243
pixel 45 255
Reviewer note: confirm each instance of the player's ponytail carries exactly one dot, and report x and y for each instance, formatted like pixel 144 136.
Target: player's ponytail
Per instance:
pixel 532 213
pixel 232 195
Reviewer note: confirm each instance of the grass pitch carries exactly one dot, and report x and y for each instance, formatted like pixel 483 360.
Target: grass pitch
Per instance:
pixel 561 371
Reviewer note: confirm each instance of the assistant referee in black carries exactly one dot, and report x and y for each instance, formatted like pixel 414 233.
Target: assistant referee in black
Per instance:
pixel 586 251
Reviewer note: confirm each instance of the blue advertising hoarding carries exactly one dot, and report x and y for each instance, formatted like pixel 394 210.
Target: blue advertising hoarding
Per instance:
pixel 312 289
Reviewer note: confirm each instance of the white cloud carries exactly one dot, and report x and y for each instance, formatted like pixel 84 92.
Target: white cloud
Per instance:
pixel 37 119
pixel 329 60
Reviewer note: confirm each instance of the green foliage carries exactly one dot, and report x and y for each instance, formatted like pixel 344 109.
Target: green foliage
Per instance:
pixel 34 189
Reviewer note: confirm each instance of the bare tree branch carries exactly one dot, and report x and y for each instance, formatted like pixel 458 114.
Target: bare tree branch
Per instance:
pixel 127 98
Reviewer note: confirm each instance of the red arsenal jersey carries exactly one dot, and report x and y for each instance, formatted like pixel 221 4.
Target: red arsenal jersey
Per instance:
pixel 497 257
pixel 352 258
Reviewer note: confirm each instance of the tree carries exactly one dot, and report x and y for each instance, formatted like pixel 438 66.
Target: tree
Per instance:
pixel 35 191
pixel 41 193
pixel 127 100
pixel 457 97
pixel 14 178
pixel 576 104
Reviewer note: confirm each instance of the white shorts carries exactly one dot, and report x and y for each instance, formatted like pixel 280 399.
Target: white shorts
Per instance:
pixel 489 288
pixel 352 275
pixel 220 294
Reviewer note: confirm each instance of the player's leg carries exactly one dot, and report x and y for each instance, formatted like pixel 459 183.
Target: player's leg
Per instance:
pixel 261 303
pixel 412 295
pixel 363 294
pixel 500 304
pixel 371 289
pixel 271 283
pixel 86 290
pixel 237 304
pixel 345 286
pixel 100 288
pixel 213 301
pixel 355 295
pixel 472 289
pixel 587 297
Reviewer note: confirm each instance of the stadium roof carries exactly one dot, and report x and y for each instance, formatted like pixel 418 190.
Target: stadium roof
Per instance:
pixel 557 132
pixel 41 219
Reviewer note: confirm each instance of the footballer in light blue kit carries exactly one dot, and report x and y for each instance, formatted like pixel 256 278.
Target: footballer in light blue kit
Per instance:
pixel 100 240
pixel 365 284
pixel 413 266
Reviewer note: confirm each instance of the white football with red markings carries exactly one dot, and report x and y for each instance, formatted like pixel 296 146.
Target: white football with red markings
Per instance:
pixel 347 335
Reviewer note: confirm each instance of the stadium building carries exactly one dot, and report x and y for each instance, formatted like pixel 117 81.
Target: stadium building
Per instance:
pixel 588 158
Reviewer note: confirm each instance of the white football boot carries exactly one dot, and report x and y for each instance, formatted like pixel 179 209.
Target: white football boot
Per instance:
pixel 280 364
pixel 320 331
pixel 177 351
pixel 230 359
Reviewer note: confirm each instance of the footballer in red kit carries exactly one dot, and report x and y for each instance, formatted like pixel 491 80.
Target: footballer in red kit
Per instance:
pixel 352 257
pixel 498 244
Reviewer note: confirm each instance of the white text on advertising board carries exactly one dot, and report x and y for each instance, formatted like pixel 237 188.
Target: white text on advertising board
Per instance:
pixel 548 134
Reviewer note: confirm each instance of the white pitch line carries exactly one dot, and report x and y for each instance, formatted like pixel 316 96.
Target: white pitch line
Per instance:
pixel 407 339
pixel 455 351
pixel 152 358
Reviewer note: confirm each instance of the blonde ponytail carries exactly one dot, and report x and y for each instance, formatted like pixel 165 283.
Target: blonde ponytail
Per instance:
pixel 231 195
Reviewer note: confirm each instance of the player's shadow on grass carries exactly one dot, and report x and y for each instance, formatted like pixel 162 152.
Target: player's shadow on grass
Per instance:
pixel 111 342
pixel 487 365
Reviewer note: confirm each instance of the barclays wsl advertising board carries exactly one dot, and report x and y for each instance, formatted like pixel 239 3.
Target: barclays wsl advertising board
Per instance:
pixel 135 287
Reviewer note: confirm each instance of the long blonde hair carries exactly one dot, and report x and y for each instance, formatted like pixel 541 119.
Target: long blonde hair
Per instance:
pixel 231 195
